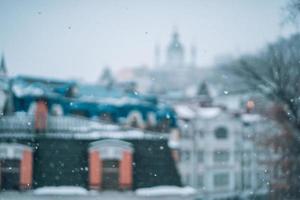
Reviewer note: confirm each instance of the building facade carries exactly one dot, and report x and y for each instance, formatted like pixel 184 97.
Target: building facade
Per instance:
pixel 77 152
pixel 221 154
pixel 174 70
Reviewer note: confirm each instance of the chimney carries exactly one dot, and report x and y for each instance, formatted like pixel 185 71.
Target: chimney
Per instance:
pixel 40 116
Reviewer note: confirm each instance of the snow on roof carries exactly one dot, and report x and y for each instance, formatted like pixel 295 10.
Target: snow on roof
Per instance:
pixel 21 90
pixel 67 127
pixel 120 134
pixel 22 121
pixel 173 144
pixel 23 86
pixel 165 191
pixel 60 190
pixel 120 101
pixel 103 126
pixel 130 134
pixel 184 111
pixel 251 118
pixel 209 113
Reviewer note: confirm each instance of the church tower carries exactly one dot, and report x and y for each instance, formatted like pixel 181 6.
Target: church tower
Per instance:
pixel 175 52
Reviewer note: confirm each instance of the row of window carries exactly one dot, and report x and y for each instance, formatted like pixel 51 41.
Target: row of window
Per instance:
pixel 221 156
pixel 220 133
pixel 220 180
pixel 248 179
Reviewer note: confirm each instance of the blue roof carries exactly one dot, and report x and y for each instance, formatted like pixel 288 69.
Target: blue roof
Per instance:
pixel 92 100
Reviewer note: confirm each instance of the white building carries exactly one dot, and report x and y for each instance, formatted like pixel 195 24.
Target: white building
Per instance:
pixel 219 155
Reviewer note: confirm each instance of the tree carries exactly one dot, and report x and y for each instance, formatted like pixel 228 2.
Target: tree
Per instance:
pixel 275 74
pixel 293 11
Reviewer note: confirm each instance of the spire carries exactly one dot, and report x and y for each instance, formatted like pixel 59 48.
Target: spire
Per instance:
pixel 204 95
pixel 3 66
pixel 106 77
pixel 203 89
pixel 175 51
pixel 175 36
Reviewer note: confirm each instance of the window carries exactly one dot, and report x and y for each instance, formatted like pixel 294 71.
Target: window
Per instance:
pixel 221 179
pixel 110 173
pixel 221 133
pixel 106 117
pixel 3 152
pixel 200 156
pixel 110 165
pixel 164 124
pixel 247 179
pixel 187 179
pixel 135 119
pixel 10 174
pixel 200 182
pixel 201 133
pixel 261 179
pixel 185 155
pixel 221 156
pixel 237 178
pixel 246 162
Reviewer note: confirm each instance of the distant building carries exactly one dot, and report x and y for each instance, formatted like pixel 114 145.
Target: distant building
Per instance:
pixel 174 74
pixel 222 152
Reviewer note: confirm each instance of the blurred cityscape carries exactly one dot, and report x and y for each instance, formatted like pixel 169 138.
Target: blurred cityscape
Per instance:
pixel 170 130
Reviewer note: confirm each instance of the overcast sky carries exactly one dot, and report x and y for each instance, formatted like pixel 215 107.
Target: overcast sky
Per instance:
pixel 76 39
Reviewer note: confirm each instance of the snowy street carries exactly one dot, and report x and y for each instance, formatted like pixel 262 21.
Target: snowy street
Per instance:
pixel 95 196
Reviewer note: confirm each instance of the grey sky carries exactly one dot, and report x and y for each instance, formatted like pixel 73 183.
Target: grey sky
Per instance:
pixel 75 39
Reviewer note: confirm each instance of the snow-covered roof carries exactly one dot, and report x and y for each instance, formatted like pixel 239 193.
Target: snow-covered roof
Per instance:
pixel 60 190
pixel 209 112
pixel 91 100
pixel 251 118
pixel 24 122
pixel 120 101
pixel 31 86
pixel 165 191
pixel 67 127
pixel 122 134
pixel 22 90
pixel 174 144
pixel 185 112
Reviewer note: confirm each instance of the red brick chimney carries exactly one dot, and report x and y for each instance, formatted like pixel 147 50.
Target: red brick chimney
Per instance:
pixel 40 116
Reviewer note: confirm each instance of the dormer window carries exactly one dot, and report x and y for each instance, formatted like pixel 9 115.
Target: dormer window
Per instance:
pixel 221 133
